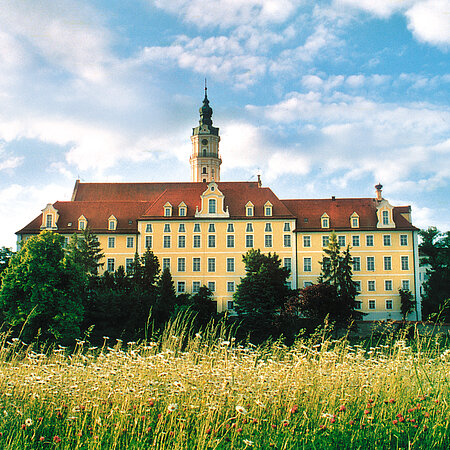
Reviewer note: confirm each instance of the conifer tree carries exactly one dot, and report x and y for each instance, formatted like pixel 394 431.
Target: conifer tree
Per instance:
pixel 84 250
pixel 165 299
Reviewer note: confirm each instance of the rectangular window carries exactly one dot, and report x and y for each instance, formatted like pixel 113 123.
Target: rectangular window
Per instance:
pixel 181 264
pixel 369 240
pixel 358 304
pixel 112 225
pixel 81 224
pixel 306 241
pixel 166 242
pixel 371 263
pixel 387 263
pixel 325 241
pixel 287 240
pixel 182 241
pixel 211 241
pixel 196 264
pixel 268 228
pixel 195 286
pixel 196 242
pixel 211 228
pixel 307 264
pixel 130 242
pixel 148 228
pixel 111 242
pixel 249 228
pixel 211 264
pixel 167 212
pixel 268 240
pixel 249 211
pixel 388 285
pixel 167 228
pixel 249 240
pixel 230 304
pixel 181 287
pixel 341 241
pixel 110 265
pixel 325 222
pixel 49 221
pixel 372 304
pixel 197 228
pixel 388 304
pixel 166 263
pixel 355 241
pixel 287 262
pixel 230 286
pixel 212 286
pixel 356 263
pixel 287 226
pixel 371 285
pixel 129 264
pixel 403 239
pixel 268 210
pixel 358 286
pixel 182 211
pixel 212 206
pixel 230 264
pixel 405 285
pixel 230 241
pixel 148 241
pixel 355 222
pixel 405 262
pixel 385 218
pixel 386 240
pixel 230 228
pixel 181 228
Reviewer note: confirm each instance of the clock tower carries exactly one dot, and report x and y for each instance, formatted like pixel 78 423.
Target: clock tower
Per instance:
pixel 205 160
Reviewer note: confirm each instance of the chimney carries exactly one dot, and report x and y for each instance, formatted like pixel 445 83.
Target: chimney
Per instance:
pixel 259 180
pixel 378 188
pixel 333 198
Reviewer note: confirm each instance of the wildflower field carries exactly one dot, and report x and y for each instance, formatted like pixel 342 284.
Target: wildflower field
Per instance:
pixel 205 391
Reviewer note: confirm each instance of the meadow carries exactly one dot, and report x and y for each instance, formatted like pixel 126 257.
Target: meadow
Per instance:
pixel 206 391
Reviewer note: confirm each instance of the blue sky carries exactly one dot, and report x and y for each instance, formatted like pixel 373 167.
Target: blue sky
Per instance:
pixel 322 98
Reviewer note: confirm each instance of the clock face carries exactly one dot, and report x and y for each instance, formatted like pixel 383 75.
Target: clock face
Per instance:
pixel 205 142
pixel 205 129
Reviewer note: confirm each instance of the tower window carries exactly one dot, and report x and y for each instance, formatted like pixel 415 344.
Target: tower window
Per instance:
pixel 204 170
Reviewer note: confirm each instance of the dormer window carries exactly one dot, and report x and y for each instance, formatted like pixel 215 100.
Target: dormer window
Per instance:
pixel 354 220
pixel 182 211
pixel 112 223
pixel 249 209
pixel 268 209
pixel 167 210
pixel 82 223
pixel 385 217
pixel 212 206
pixel 49 221
pixel 325 221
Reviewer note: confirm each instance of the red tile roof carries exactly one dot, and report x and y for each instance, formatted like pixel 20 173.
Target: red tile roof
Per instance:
pixel 339 210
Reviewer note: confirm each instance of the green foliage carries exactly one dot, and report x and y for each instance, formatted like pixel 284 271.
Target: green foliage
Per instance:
pixel 40 294
pixel 166 298
pixel 262 293
pixel 336 272
pixel 84 250
pixel 5 257
pixel 407 302
pixel 435 252
pixel 204 306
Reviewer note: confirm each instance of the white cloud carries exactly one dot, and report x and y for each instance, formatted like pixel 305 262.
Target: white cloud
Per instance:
pixel 429 21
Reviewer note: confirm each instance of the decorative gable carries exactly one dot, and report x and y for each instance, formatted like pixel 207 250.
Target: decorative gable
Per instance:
pixel 268 208
pixel 212 203
pixel 354 220
pixel 112 223
pixel 167 210
pixel 182 209
pixel 385 215
pixel 82 223
pixel 249 209
pixel 325 220
pixel 50 218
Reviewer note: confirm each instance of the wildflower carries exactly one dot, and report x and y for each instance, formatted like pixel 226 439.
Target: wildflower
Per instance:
pixel 260 404
pixel 352 422
pixel 366 411
pixel 395 421
pixel 273 426
pixel 241 410
pixel 332 420
pixel 323 427
pixel 342 408
pixel 410 410
pixel 391 400
pixel 42 438
pixel 294 409
pixel 172 407
pixel 28 422
pixel 248 443
pixel 198 335
pixel 328 416
pixel 208 431
pixel 239 430
pixel 56 439
pixel 23 426
pixel 285 423
pixel 427 414
pixel 254 421
pixel 151 403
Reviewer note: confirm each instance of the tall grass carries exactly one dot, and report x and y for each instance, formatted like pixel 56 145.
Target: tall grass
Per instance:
pixel 203 391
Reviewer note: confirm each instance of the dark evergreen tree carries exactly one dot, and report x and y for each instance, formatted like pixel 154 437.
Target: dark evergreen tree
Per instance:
pixel 40 295
pixel 85 251
pixel 262 293
pixel 5 257
pixel 166 298
pixel 435 253
pixel 407 302
pixel 204 306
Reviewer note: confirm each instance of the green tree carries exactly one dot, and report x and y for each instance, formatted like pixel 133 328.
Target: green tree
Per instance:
pixel 40 294
pixel 407 302
pixel 166 298
pixel 435 253
pixel 337 272
pixel 84 250
pixel 262 293
pixel 203 304
pixel 5 257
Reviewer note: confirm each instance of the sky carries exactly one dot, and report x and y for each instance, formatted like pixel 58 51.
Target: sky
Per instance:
pixel 321 98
